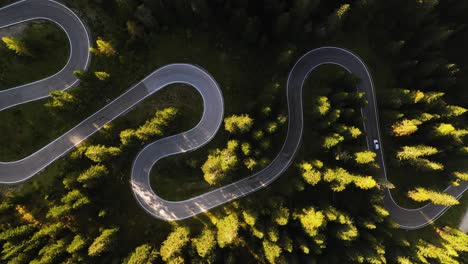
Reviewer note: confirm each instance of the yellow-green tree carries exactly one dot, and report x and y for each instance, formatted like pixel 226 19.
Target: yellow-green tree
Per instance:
pixel 364 157
pixel 101 75
pixel 414 152
pixel 310 171
pixel 16 45
pixel 311 220
pixel 227 230
pixel 219 163
pixel 237 124
pixel 174 243
pixel 271 250
pixel 156 126
pixel 104 48
pixel 461 175
pixel 103 242
pixel 144 254
pixel 423 195
pixel 61 100
pixel 405 127
pixel 205 243
pixel 100 153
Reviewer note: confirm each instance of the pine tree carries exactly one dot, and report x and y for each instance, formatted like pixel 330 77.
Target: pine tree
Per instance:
pixel 364 157
pixel 271 250
pixel 250 217
pixel 61 100
pixel 311 175
pixel 332 140
pixel 227 230
pixel 50 252
pixel 144 254
pixel 103 48
pixel 339 178
pixel 100 153
pixel 77 244
pixel 444 129
pixel 219 163
pixel 237 124
pixel 174 243
pixel 156 126
pixel 414 152
pixel 103 243
pixel 102 75
pixel 281 215
pixel 405 127
pixel 422 195
pixel 311 220
pixel 335 20
pixel 322 105
pixel 91 175
pixel 461 175
pixel 205 243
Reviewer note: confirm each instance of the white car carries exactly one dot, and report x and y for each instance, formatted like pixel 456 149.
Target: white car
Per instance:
pixel 376 144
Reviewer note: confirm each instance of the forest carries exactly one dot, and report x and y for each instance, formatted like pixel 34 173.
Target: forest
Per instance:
pixel 326 208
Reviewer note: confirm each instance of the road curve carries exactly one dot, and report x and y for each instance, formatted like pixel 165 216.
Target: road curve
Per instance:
pixel 202 133
pixel 78 38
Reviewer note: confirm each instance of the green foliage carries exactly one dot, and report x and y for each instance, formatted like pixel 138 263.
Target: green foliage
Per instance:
pixel 61 100
pixel 156 126
pixel 246 148
pixel 227 230
pixel 219 163
pixel 311 220
pixel 78 243
pixel 100 153
pixel 174 243
pixel 144 254
pixel 422 195
pixel 281 216
pixel 332 140
pixel 405 127
pixel 16 232
pixel 364 157
pixel 461 175
pixel 454 111
pixel 103 243
pixel 250 163
pixel 102 75
pixel 50 252
pixel 445 129
pixel 414 152
pixel 250 217
pixel 16 45
pixel 75 199
pixel 205 243
pixel 237 124
pixel 322 105
pixel 128 136
pixel 271 251
pixel 310 173
pixel 93 174
pixel 103 48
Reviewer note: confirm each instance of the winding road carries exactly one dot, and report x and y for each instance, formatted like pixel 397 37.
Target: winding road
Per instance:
pixel 201 134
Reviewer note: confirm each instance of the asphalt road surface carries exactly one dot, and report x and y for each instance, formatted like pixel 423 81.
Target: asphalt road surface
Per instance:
pixel 202 133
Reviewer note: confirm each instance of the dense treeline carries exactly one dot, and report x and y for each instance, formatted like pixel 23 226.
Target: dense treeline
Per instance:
pixel 327 208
